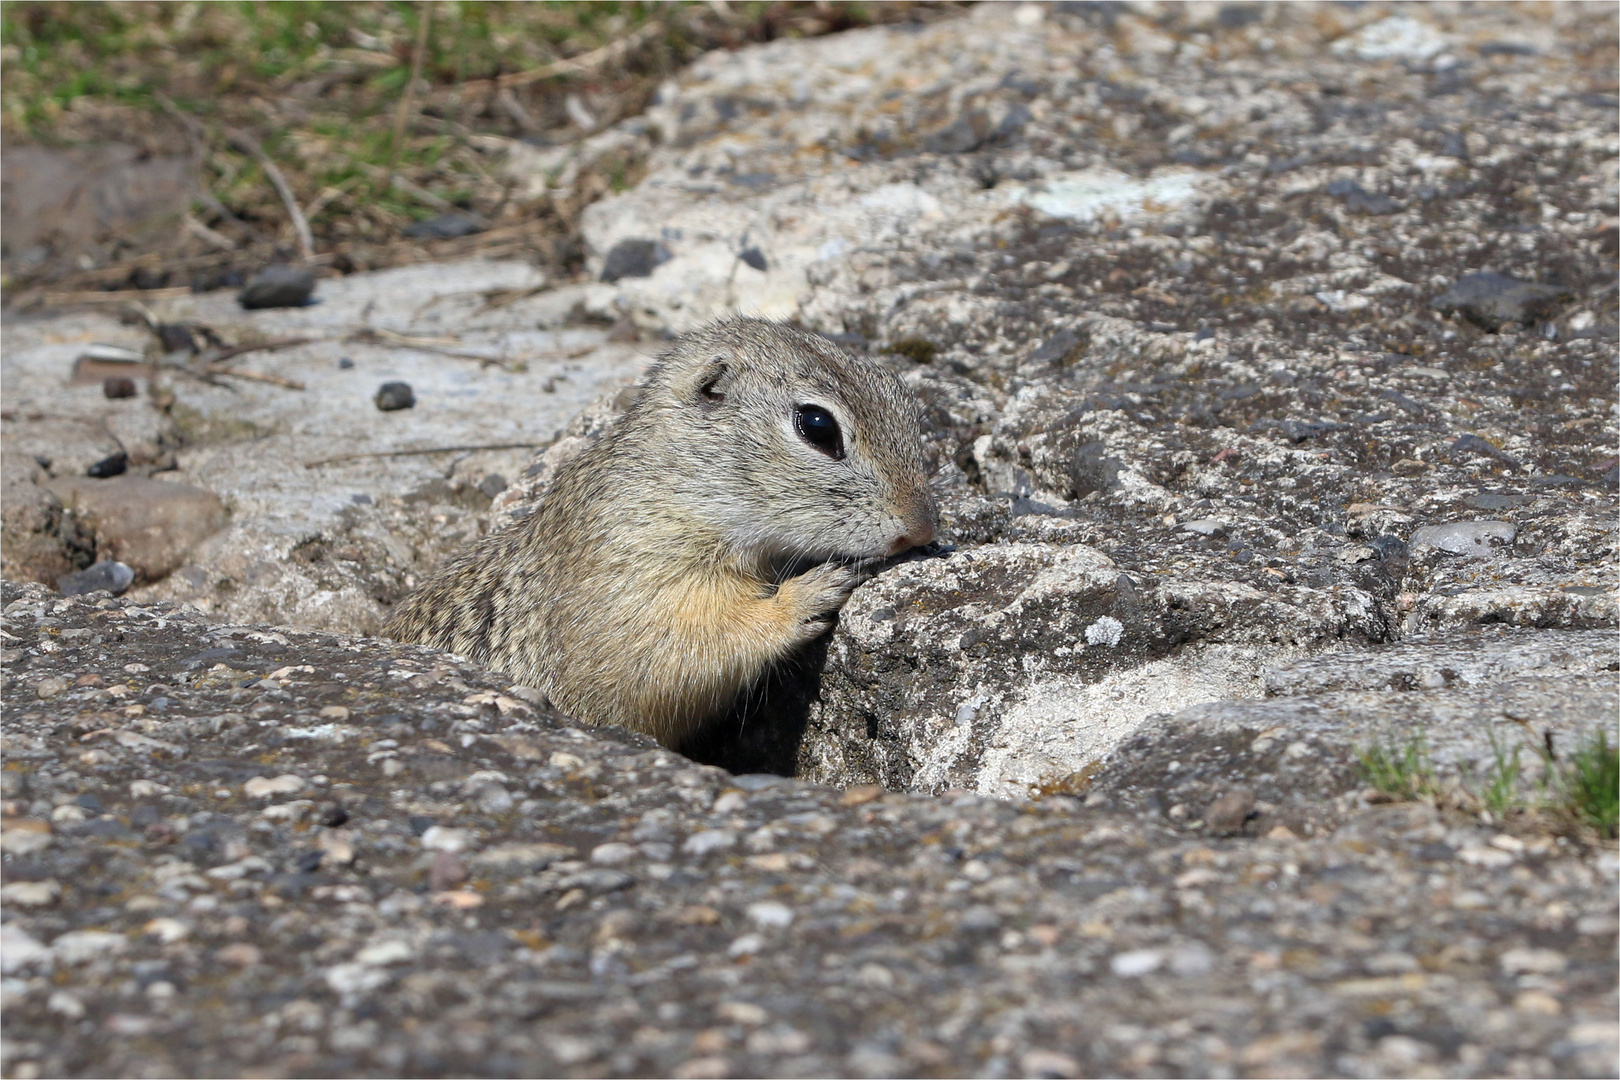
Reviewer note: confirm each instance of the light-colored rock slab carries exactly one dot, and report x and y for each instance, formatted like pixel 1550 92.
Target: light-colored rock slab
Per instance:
pixel 331 545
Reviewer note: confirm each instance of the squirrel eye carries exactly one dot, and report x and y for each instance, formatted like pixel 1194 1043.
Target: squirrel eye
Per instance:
pixel 817 427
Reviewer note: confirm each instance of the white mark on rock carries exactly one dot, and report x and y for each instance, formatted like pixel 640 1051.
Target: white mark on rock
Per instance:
pixel 1105 631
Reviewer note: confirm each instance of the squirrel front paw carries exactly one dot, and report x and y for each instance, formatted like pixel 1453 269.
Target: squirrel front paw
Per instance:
pixel 815 596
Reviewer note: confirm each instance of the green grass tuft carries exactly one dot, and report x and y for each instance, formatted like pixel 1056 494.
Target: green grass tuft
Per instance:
pixel 1501 791
pixel 1400 770
pixel 1591 783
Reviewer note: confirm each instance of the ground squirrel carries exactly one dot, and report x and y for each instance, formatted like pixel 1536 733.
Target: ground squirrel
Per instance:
pixel 712 530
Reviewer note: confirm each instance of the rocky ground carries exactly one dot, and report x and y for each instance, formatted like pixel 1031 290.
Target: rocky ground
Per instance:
pixel 1268 361
pixel 279 852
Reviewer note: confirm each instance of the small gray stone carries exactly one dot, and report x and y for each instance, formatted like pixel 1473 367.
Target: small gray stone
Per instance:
pixel 109 575
pixel 1489 299
pixel 393 396
pixel 633 259
pixel 278 287
pixel 446 226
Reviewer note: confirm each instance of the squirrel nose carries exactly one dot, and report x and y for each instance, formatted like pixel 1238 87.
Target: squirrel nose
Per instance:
pixel 919 531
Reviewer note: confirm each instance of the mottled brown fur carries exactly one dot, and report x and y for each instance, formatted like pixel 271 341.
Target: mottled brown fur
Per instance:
pixel 699 541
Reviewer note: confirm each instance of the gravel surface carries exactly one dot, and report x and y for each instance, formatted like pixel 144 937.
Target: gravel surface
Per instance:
pixel 260 851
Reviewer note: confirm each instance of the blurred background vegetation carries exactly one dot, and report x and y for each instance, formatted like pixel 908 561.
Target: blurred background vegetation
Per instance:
pixel 384 121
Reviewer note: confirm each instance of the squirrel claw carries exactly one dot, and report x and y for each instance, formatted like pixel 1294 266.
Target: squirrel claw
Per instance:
pixel 819 592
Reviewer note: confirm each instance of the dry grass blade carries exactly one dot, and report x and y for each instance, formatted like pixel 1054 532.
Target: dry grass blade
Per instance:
pixel 584 62
pixel 407 100
pixel 102 298
pixel 253 376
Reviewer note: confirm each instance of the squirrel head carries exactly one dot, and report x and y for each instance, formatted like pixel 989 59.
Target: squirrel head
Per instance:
pixel 786 445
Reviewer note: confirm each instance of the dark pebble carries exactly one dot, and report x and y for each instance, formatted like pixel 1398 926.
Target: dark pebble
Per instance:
pixel 447 226
pixel 113 465
pixel 392 396
pixel 89 802
pixel 334 816
pixel 492 485
pixel 755 258
pixel 176 338
pixel 278 287
pixel 109 576
pixel 1488 299
pixel 1403 401
pixel 119 386
pixel 1359 200
pixel 633 258
pixel 307 862
pixel 420 824
pixel 345 364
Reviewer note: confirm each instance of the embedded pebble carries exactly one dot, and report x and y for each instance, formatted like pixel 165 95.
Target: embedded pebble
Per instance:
pixel 702 843
pixel 263 787
pixel 109 575
pixel 441 838
pixel 1470 539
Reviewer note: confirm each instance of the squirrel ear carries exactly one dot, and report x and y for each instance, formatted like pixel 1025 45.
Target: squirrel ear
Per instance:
pixel 713 383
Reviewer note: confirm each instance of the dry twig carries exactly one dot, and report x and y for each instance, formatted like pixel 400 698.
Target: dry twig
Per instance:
pixel 248 144
pixel 219 356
